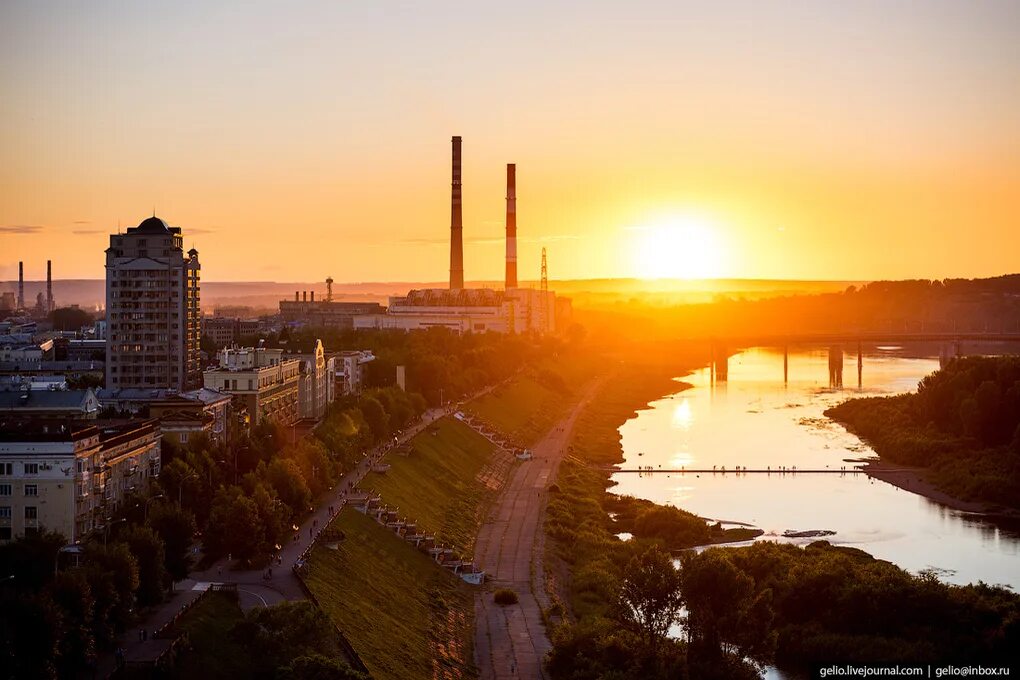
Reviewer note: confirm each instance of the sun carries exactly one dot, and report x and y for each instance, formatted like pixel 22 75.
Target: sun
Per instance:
pixel 678 248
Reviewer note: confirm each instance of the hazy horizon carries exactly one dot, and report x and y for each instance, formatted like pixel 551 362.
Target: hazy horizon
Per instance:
pixel 805 141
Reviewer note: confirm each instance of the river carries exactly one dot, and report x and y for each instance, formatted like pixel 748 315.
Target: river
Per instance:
pixel 754 420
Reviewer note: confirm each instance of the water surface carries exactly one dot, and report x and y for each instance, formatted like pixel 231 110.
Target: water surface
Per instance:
pixel 754 420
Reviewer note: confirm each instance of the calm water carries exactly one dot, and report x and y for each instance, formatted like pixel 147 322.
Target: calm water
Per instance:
pixel 754 421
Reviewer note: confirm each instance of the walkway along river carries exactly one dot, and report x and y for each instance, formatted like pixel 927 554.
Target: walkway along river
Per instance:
pixel 756 421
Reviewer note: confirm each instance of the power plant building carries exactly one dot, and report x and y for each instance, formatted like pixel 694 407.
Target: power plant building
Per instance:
pixel 152 308
pixel 474 310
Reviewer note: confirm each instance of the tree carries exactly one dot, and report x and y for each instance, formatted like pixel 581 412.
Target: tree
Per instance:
pixel 233 524
pixel 147 547
pixel 176 528
pixel 318 667
pixel 375 416
pixel 286 479
pixel 31 628
pixel 284 631
pixel 72 594
pixel 116 562
pixel 723 608
pixel 650 594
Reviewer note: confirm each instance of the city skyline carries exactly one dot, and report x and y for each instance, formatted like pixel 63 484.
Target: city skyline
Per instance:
pixel 650 141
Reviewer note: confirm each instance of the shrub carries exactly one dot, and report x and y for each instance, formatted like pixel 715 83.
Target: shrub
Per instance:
pixel 505 596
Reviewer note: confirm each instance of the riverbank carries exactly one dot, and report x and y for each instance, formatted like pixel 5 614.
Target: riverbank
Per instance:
pixel 915 481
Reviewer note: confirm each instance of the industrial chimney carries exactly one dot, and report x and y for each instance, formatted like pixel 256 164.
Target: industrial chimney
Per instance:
pixel 511 225
pixel 456 224
pixel 49 285
pixel 21 285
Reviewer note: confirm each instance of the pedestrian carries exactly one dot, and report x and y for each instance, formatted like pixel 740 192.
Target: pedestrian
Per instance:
pixel 270 572
pixel 139 634
pixel 145 634
pixel 219 570
pixel 309 532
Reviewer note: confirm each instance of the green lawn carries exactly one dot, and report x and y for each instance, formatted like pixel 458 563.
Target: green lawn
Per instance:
pixel 406 617
pixel 436 484
pixel 213 653
pixel 535 400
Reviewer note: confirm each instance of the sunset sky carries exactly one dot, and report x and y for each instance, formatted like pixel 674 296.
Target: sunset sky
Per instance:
pixel 291 141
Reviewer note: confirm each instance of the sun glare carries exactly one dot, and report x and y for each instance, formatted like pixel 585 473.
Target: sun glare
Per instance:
pixel 680 248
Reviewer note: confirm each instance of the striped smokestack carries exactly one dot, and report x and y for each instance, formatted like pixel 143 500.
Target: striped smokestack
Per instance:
pixel 456 224
pixel 49 286
pixel 511 225
pixel 21 285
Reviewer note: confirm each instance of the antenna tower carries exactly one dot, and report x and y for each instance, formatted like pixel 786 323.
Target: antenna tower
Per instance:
pixel 329 289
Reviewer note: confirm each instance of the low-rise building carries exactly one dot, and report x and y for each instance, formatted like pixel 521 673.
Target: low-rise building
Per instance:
pixel 68 477
pixel 180 413
pixel 263 380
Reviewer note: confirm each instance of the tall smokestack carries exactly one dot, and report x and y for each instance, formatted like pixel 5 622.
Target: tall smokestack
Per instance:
pixel 49 286
pixel 456 224
pixel 21 285
pixel 511 225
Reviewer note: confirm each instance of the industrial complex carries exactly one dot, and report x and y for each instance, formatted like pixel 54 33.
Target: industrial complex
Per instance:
pixel 511 309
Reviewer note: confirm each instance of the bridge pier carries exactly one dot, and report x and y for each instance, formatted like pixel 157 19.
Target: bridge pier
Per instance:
pixel 786 364
pixel 949 351
pixel 860 367
pixel 722 364
pixel 836 366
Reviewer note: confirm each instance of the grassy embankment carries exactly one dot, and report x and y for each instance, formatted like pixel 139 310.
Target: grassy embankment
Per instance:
pixel 406 617
pixel 440 482
pixel 529 405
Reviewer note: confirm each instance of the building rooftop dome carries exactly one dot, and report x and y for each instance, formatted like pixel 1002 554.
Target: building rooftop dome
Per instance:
pixel 152 225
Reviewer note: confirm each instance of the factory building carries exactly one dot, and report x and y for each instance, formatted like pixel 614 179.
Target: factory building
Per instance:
pixel 476 310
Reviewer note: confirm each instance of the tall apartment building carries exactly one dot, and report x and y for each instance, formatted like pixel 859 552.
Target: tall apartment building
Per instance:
pixel 261 380
pixel 152 309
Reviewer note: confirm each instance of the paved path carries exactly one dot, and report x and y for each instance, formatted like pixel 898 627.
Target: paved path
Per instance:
pixel 510 642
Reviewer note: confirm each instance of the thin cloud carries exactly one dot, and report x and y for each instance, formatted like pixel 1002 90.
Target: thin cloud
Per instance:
pixel 82 222
pixel 85 232
pixel 199 231
pixel 20 228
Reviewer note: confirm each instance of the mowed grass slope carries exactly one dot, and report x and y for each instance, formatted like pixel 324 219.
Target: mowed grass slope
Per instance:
pixel 213 653
pixel 529 405
pixel 405 616
pixel 436 484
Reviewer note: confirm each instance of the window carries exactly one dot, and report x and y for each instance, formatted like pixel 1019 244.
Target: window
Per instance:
pixel 5 512
pixel 6 468
pixel 184 437
pixel 31 468
pixel 31 512
pixel 31 489
pixel 5 489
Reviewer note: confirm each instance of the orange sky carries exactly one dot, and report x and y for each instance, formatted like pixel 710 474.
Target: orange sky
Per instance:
pixel 809 140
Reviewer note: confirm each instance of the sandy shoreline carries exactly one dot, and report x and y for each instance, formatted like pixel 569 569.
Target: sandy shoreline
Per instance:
pixel 915 481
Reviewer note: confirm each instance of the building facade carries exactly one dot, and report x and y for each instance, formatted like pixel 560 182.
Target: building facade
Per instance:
pixel 70 477
pixel 317 387
pixel 351 369
pixel 152 309
pixel 264 382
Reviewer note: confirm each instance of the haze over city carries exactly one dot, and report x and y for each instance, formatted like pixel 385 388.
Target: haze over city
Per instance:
pixel 482 341
pixel 805 140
